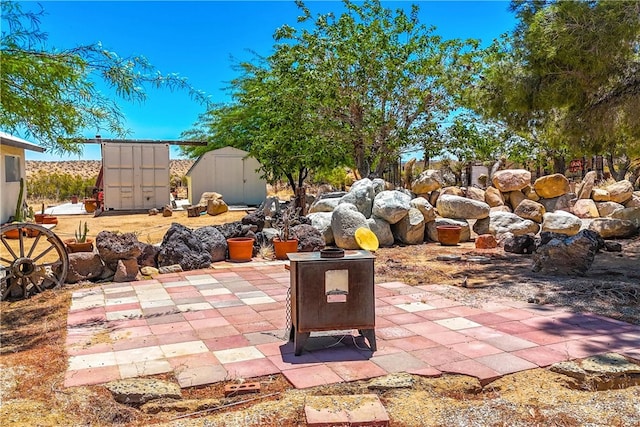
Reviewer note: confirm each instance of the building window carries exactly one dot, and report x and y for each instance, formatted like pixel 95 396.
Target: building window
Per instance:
pixel 12 168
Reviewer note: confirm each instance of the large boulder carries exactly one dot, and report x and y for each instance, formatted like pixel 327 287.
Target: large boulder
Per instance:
pixel 511 179
pixel 505 222
pixel 567 255
pixel 520 244
pixel 208 195
pixel 361 195
pixel 256 217
pixel 481 226
pixel 346 219
pixel 410 229
pixel 213 242
pixel 126 270
pixel 84 266
pixel 629 214
pixel 585 208
pixel 528 209
pixel 148 255
pixel 309 238
pixel 216 207
pixel 432 232
pixel 321 221
pixel 493 197
pixel 460 207
pixel 586 186
pixel 551 186
pixel 515 198
pixel 633 202
pixel 325 204
pixel 453 191
pixel 474 193
pixel 114 246
pixel 600 195
pixel 561 222
pixel 391 206
pixel 382 230
pixel 427 181
pixel 620 191
pixel 181 246
pixel 613 228
pixel 379 185
pixel 561 203
pixel 426 209
pixel 607 208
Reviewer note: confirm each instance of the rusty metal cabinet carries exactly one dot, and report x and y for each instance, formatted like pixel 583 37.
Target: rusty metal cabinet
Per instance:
pixel 332 294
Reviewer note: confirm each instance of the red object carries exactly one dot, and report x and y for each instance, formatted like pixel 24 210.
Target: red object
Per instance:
pixel 449 235
pixel 240 249
pixel 486 241
pixel 50 219
pixel 282 248
pixel 235 389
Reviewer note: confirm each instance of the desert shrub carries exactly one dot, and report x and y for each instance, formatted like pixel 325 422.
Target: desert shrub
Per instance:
pixel 57 186
pixel 337 177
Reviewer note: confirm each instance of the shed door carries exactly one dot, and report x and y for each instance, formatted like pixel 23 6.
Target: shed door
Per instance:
pixel 229 179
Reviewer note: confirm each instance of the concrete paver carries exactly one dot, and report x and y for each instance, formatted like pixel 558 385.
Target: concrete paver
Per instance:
pixel 230 322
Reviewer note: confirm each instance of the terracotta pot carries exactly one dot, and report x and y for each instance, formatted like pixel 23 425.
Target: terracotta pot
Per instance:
pixel 40 217
pixel 90 205
pixel 12 234
pixel 449 235
pixel 240 249
pixel 50 219
pixel 73 246
pixel 282 248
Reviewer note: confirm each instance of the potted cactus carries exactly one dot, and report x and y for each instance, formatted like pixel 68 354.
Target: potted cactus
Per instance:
pixel 283 243
pixel 80 243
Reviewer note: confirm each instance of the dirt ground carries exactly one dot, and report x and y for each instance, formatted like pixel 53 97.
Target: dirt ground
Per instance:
pixel 33 359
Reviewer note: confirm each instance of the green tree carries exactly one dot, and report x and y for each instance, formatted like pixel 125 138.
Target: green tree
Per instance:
pixel 568 77
pixel 52 95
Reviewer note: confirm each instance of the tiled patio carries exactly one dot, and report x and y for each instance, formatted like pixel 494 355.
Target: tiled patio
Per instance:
pixel 229 322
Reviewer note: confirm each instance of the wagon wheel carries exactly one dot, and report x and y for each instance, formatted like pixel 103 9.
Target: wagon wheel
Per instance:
pixel 30 264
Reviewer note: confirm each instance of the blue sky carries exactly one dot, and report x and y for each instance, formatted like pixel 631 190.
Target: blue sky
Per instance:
pixel 199 40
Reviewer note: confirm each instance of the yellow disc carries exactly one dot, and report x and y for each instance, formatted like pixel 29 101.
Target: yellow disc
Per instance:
pixel 366 239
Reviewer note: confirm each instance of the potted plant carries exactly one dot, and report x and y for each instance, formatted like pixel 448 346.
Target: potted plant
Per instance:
pixel 240 248
pixel 283 243
pixel 80 243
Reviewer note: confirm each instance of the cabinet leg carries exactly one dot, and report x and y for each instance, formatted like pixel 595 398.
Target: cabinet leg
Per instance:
pixel 299 341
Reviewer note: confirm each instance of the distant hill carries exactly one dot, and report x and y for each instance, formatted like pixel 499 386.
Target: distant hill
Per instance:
pixel 91 168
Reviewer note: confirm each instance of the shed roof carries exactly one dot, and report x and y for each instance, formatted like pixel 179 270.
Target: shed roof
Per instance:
pixel 14 141
pixel 228 150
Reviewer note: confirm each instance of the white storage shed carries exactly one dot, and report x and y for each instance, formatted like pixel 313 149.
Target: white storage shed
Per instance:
pixel 12 169
pixel 230 172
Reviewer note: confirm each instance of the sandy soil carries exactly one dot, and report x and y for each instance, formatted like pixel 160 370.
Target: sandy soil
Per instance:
pixel 33 358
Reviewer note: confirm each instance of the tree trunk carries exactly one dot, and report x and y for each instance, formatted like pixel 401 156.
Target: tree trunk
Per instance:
pixel 559 163
pixel 620 173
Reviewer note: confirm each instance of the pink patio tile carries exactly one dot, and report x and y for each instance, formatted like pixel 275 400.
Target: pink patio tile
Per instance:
pixel 482 332
pixel 125 324
pixel 276 348
pixel 251 368
pixel 429 372
pixel 177 337
pixel 76 318
pixel 211 322
pixel 509 343
pixel 416 342
pixel 216 332
pixel 388 310
pixel 516 314
pixel 545 323
pixel 437 314
pixel 131 332
pixel 262 325
pixel 200 375
pixel 404 318
pixel 464 311
pixel 122 307
pixel 265 337
pixel 506 363
pixel 443 303
pixel 392 285
pixel 449 337
pixel 399 362
pixel 136 342
pixel 238 310
pixel 382 322
pixel 513 327
pixel 91 376
pixel 369 413
pixel 426 328
pixel 382 292
pixel 473 349
pixel 494 307
pixel 541 356
pixel 237 319
pixel 544 337
pixel 79 349
pixel 438 356
pixel 393 332
pixel 487 318
pixel 268 307
pixel 287 361
pixel 383 348
pixel 169 318
pixel 201 314
pixel 577 349
pixel 273 314
pixel 471 368
pixel 171 328
pixel 357 370
pixel 312 376
pixel 182 289
pixel 398 299
pixel 179 363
